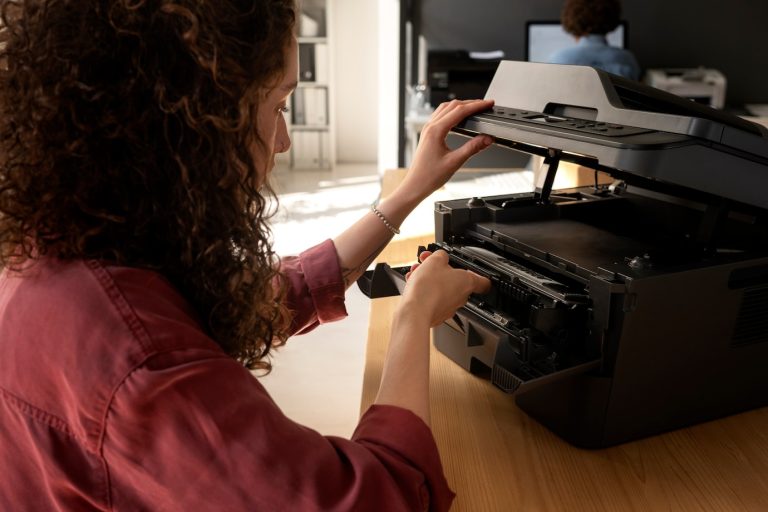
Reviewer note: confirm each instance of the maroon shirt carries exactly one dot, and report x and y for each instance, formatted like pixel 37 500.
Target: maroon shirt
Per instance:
pixel 113 398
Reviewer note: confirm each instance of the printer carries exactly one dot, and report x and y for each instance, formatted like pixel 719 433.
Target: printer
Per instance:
pixel 702 85
pixel 458 74
pixel 618 310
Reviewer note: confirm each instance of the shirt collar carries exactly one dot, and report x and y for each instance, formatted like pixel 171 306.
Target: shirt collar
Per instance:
pixel 593 39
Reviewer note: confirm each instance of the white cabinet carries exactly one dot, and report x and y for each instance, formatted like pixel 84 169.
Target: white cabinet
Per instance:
pixel 310 149
pixel 311 124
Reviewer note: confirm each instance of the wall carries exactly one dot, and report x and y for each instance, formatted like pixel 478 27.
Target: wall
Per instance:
pixel 354 27
pixel 729 36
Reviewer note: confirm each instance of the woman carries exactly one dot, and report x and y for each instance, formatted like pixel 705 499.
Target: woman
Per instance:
pixel 139 286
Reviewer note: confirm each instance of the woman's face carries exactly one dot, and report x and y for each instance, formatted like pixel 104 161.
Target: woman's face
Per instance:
pixel 270 123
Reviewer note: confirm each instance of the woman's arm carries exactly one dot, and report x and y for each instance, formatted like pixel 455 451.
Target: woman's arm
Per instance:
pixel 431 296
pixel 433 164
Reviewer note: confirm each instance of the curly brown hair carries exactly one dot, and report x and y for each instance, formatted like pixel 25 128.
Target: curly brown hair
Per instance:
pixel 584 17
pixel 127 133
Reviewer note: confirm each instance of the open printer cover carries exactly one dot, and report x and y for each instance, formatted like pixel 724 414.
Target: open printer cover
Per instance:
pixel 623 310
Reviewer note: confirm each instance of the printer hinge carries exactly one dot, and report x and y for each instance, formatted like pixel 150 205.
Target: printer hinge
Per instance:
pixel 546 176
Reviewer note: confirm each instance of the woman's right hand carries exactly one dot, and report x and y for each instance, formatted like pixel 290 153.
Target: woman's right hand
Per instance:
pixel 436 290
pixel 433 293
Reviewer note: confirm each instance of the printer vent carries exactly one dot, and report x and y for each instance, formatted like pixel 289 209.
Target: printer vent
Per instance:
pixel 752 322
pixel 505 379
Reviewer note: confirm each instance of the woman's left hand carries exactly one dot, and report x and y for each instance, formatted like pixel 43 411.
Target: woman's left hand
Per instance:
pixel 434 162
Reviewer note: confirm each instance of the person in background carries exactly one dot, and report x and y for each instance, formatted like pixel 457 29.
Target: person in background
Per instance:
pixel 139 287
pixel 589 21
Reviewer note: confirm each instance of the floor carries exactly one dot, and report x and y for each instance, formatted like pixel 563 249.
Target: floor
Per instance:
pixel 317 377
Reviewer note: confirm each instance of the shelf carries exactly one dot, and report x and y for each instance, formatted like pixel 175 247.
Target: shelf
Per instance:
pixel 310 127
pixel 308 39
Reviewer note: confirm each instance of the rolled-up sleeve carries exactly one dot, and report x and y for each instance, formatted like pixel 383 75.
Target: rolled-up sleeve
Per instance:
pixel 315 287
pixel 387 430
pixel 194 431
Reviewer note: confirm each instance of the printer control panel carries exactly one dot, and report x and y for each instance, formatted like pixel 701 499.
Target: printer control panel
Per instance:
pixel 565 123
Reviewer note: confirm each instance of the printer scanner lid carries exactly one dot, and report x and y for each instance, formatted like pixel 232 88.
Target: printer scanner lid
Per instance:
pixel 588 114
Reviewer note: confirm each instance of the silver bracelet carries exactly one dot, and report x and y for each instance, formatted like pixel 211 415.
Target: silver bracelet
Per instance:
pixel 380 215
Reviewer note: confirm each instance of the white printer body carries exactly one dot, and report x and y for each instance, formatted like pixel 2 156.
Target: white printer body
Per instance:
pixel 702 85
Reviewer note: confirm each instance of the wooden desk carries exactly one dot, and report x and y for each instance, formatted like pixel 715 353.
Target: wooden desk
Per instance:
pixel 496 458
